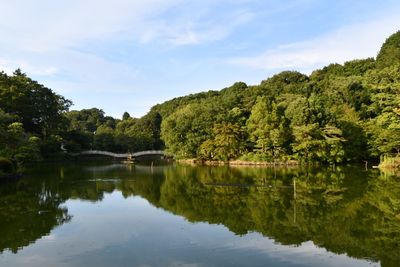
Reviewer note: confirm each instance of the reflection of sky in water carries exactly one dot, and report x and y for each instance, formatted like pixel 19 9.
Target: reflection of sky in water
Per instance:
pixel 131 232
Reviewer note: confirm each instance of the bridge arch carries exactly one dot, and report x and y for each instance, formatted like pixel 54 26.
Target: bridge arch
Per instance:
pixel 120 155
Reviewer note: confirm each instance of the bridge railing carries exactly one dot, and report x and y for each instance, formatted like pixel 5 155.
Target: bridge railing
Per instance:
pixel 148 152
pixel 119 155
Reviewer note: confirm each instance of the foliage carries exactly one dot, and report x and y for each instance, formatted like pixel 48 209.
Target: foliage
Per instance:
pixel 125 116
pixel 390 51
pixel 187 128
pixel 339 113
pixel 389 162
pixel 30 115
pixel 37 107
pixel 6 166
pixel 18 145
pixel 226 143
pixel 269 129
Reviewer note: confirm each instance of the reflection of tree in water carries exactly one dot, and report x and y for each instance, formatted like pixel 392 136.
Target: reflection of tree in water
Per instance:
pixel 345 211
pixel 27 213
pixel 32 207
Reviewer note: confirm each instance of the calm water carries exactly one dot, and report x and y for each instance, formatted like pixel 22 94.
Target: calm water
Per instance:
pixel 119 215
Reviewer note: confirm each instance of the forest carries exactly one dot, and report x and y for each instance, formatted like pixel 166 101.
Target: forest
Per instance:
pixel 340 113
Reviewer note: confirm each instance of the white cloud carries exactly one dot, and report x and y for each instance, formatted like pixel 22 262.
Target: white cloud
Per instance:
pixel 47 25
pixel 10 66
pixel 200 30
pixel 50 25
pixel 79 47
pixel 355 41
pixel 43 37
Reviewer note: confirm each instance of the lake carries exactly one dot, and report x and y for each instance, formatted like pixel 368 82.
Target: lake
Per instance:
pixel 111 214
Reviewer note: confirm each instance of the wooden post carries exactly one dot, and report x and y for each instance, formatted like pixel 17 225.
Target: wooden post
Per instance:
pixel 294 188
pixel 294 200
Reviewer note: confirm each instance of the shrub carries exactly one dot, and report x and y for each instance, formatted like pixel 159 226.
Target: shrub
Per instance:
pixel 6 165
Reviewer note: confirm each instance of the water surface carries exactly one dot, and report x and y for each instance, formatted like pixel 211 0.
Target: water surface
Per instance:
pixel 123 215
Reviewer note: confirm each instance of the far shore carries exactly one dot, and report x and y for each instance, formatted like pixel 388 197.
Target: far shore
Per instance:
pixel 10 177
pixel 238 162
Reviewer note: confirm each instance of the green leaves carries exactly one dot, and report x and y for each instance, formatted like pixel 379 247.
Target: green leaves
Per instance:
pixel 390 51
pixel 269 129
pixel 226 144
pixel 339 113
pixel 38 108
pixel 186 129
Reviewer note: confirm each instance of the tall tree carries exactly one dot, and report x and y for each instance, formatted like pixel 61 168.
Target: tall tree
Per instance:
pixel 268 128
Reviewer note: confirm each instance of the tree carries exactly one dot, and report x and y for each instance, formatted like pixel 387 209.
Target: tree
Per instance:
pixel 333 151
pixel 186 129
pixel 86 120
pixel 269 129
pixel 38 107
pixel 18 145
pixel 390 51
pixel 125 116
pixel 226 144
pixel 315 144
pixel 308 142
pixel 104 138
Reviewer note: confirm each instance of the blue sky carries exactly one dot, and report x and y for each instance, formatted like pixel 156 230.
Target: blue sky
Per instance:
pixel 128 55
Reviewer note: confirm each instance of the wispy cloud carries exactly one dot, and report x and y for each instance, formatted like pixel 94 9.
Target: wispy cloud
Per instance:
pixel 130 52
pixel 203 30
pixel 39 70
pixel 359 40
pixel 46 25
pixel 51 25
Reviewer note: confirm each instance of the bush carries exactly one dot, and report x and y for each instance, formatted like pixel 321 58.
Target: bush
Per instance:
pixel 6 165
pixel 256 157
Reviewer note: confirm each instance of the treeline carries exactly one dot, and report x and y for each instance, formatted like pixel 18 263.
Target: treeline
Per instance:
pixel 91 129
pixel 31 117
pixel 339 113
pixel 35 124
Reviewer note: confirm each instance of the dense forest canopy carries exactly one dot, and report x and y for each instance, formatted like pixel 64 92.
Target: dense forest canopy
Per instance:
pixel 336 114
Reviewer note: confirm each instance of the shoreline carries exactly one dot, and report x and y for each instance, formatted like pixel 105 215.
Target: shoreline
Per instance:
pixel 10 177
pixel 389 163
pixel 239 163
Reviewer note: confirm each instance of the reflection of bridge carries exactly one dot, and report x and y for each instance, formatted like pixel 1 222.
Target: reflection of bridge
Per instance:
pixel 122 155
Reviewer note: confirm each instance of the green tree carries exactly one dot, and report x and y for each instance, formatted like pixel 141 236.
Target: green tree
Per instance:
pixel 18 145
pixel 186 129
pixel 269 129
pixel 226 144
pixel 104 138
pixel 390 51
pixel 38 107
pixel 125 116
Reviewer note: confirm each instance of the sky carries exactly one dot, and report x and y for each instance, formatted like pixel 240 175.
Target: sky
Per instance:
pixel 128 55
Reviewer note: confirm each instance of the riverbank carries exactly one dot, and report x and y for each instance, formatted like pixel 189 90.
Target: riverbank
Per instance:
pixel 238 162
pixel 10 177
pixel 9 170
pixel 389 162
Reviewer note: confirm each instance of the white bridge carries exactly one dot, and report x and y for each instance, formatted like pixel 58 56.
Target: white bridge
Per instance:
pixel 118 155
